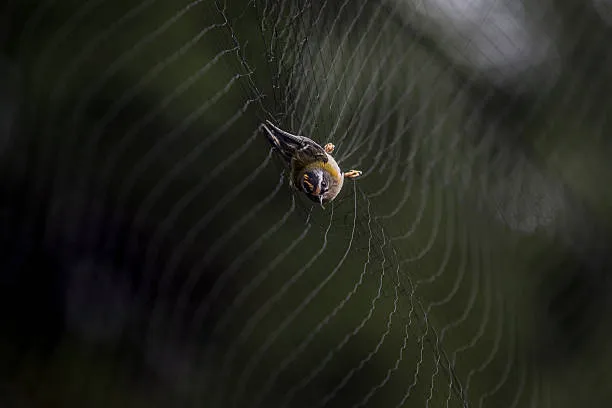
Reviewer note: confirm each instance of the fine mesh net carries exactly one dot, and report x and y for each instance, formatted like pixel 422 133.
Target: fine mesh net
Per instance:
pixel 192 274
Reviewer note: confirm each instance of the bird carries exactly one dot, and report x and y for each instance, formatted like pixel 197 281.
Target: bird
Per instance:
pixel 313 169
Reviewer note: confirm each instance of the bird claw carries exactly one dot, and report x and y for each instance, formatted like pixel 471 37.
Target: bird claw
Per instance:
pixel 351 174
pixel 329 148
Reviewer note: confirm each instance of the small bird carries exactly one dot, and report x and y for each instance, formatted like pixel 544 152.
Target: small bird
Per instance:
pixel 313 170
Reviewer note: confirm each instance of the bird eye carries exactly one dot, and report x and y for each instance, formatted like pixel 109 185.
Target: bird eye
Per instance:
pixel 324 185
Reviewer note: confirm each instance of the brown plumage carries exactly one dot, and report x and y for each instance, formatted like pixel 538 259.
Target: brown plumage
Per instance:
pixel 313 170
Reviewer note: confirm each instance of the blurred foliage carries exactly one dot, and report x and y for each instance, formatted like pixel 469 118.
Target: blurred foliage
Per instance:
pixel 469 266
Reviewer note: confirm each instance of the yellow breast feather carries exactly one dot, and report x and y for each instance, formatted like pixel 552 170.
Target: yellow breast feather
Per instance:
pixel 331 167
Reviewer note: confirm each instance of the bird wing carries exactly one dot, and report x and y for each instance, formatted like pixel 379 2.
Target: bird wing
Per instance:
pixel 292 147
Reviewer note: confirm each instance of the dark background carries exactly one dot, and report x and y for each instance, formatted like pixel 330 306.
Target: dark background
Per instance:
pixel 152 253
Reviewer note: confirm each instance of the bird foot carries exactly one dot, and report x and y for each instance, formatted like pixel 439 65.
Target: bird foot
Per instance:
pixel 351 174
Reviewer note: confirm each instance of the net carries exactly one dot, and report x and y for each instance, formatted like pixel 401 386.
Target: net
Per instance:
pixel 195 276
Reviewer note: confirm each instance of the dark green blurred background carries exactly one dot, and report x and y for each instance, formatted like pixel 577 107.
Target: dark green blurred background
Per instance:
pixel 154 255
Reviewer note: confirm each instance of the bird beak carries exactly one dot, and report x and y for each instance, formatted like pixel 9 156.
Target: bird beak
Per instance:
pixel 285 142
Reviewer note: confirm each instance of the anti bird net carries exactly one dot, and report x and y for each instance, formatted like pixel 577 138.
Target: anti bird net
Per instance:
pixel 188 262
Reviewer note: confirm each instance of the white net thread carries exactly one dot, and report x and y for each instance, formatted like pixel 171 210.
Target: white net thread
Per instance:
pixel 405 291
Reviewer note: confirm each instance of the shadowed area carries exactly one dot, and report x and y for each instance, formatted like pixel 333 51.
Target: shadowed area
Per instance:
pixel 154 254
